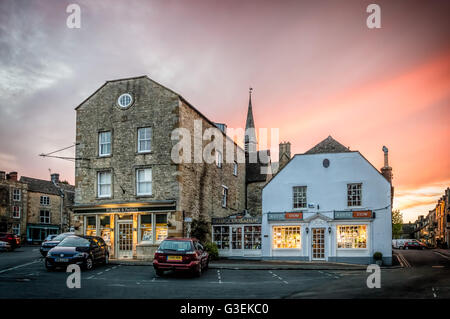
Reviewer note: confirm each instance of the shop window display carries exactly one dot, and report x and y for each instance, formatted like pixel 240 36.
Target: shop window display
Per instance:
pixel 161 227
pixel 146 228
pixel 252 237
pixel 105 229
pixel 221 236
pixel 91 226
pixel 236 237
pixel 352 236
pixel 286 237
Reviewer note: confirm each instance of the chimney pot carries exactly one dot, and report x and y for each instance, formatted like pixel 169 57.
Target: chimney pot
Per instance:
pixel 55 177
pixel 13 176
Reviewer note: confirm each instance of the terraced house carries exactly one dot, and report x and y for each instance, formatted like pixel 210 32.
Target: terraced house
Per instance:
pixel 129 190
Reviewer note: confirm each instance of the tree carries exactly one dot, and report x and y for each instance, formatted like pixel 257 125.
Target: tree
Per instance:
pixel 397 224
pixel 200 229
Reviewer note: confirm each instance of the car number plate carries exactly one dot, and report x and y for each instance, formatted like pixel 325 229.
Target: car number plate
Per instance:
pixel 62 260
pixel 174 258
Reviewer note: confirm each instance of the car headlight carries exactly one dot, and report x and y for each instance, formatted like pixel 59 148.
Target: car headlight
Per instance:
pixel 49 254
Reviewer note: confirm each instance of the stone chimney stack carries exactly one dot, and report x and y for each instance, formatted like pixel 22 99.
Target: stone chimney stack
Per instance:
pixel 386 170
pixel 12 176
pixel 284 154
pixel 55 178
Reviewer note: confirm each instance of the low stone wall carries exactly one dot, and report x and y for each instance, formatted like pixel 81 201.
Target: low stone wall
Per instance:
pixel 146 251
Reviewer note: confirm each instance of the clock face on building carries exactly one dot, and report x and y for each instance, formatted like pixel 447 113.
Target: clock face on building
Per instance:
pixel 125 100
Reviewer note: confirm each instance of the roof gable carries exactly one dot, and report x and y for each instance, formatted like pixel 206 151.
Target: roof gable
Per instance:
pixel 328 145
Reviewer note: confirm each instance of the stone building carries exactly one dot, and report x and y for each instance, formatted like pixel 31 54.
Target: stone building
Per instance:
pixel 131 186
pixel 48 207
pixel 13 204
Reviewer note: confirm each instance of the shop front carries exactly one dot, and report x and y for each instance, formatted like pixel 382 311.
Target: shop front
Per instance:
pixel 36 233
pixel 330 236
pixel 237 236
pixel 130 232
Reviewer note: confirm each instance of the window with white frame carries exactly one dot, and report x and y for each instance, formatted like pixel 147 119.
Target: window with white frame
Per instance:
pixel 235 168
pixel 354 194
pixel 44 200
pixel 16 194
pixel 104 184
pixel 219 159
pixel 352 236
pixel 299 196
pixel 144 181
pixel 16 211
pixel 144 139
pixel 44 217
pixel 104 143
pixel 224 196
pixel 286 237
pixel 16 229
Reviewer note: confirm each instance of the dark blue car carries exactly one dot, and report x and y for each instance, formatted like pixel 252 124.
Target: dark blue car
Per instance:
pixel 85 251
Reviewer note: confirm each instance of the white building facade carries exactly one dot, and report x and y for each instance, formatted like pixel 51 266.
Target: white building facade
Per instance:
pixel 328 204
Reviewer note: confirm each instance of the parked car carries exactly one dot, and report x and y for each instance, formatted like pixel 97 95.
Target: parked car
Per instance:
pixel 5 246
pixel 12 239
pixel 50 237
pixel 414 245
pixel 47 245
pixel 85 251
pixel 181 254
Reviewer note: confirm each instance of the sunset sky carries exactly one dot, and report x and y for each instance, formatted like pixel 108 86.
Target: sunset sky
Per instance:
pixel 314 66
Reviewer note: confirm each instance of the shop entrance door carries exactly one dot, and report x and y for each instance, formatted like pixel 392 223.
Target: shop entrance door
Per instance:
pixel 318 243
pixel 125 239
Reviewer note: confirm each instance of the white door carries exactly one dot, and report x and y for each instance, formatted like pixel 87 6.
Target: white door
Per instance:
pixel 125 239
pixel 318 244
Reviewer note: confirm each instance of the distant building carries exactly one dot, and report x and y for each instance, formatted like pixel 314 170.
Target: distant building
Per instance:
pixel 48 207
pixel 13 204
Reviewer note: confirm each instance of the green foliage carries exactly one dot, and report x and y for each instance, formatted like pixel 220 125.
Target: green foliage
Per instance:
pixel 397 224
pixel 200 229
pixel 212 250
pixel 378 256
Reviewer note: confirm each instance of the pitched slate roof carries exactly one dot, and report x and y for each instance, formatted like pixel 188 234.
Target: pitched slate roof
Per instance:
pixel 46 187
pixel 253 170
pixel 328 145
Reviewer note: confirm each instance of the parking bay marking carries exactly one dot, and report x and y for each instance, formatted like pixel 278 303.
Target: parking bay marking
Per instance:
pixel 16 267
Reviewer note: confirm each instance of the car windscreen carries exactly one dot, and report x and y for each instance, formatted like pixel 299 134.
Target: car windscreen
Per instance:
pixel 74 242
pixel 177 245
pixel 60 237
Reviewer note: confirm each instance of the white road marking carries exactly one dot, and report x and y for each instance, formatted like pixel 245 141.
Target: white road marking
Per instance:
pixel 98 274
pixel 440 254
pixel 108 269
pixel 219 277
pixel 90 277
pixel 278 277
pixel 16 267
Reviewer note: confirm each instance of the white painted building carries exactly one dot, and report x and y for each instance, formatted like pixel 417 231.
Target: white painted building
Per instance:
pixel 328 204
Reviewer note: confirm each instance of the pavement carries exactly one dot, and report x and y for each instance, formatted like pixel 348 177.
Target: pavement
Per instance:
pixel 425 275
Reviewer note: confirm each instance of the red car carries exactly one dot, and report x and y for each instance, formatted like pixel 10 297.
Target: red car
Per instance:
pixel 414 245
pixel 11 239
pixel 181 254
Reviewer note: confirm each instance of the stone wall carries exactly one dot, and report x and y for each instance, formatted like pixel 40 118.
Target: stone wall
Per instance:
pixel 254 198
pixel 34 208
pixel 6 204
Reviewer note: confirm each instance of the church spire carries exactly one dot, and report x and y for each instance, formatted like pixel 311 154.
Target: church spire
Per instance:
pixel 250 132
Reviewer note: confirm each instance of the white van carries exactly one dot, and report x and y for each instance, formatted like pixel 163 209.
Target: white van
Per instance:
pixel 400 243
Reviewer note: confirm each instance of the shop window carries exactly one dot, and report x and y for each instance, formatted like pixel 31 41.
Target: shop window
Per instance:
pixel 44 217
pixel 299 196
pixel 16 212
pixel 221 236
pixel 224 196
pixel 352 236
pixel 235 168
pixel 146 228
pixel 236 237
pixel 354 194
pixel 252 237
pixel 91 226
pixel 105 229
pixel 286 237
pixel 219 159
pixel 161 227
pixel 44 200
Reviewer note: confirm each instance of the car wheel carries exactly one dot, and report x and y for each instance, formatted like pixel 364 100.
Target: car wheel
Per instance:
pixel 49 266
pixel 198 271
pixel 89 264
pixel 159 272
